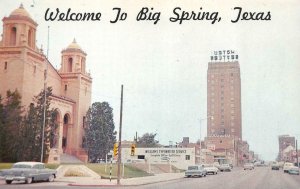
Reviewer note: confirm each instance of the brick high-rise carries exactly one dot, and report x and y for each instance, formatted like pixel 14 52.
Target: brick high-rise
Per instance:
pixel 224 96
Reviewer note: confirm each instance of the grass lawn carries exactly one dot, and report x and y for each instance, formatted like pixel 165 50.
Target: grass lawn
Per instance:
pixel 129 171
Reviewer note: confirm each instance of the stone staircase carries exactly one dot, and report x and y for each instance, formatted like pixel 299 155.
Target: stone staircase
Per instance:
pixel 68 159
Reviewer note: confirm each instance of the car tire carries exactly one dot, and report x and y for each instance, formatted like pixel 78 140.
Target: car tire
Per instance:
pixel 51 178
pixel 28 180
pixel 8 181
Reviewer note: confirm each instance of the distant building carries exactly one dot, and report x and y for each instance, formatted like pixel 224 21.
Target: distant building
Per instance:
pixel 284 142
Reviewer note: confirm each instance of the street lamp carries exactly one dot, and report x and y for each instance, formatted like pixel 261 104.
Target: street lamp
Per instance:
pixel 200 147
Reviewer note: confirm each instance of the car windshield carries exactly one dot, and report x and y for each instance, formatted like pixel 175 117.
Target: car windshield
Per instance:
pixel 21 166
pixel 193 168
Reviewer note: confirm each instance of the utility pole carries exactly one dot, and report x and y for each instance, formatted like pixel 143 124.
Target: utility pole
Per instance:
pixel 120 138
pixel 45 99
pixel 297 153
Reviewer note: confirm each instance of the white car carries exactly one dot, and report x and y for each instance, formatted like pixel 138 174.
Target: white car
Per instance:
pixel 249 166
pixel 287 166
pixel 210 169
pixel 196 170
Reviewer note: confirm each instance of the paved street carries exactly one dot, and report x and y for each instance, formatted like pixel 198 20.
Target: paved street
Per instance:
pixel 260 178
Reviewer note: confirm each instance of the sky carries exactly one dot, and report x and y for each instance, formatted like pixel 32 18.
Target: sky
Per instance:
pixel 163 66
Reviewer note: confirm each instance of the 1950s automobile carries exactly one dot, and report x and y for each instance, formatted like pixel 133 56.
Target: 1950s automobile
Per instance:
pixel 28 172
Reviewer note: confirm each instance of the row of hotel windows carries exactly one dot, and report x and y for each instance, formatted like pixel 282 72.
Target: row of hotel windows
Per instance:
pixel 222 81
pixel 222 75
pixel 213 130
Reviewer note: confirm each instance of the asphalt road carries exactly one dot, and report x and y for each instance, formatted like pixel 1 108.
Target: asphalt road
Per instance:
pixel 259 178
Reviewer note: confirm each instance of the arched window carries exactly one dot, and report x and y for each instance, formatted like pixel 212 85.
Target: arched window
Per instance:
pixel 66 119
pixel 70 64
pixel 29 38
pixel 13 36
pixel 82 65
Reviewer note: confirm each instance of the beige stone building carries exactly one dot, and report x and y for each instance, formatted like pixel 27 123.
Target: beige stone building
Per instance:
pixel 23 66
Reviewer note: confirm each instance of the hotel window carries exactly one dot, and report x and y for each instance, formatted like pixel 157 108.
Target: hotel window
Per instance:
pixel 187 157
pixel 231 81
pixel 232 124
pixel 212 76
pixel 222 80
pixel 212 100
pixel 232 105
pixel 232 117
pixel 5 65
pixel 212 94
pixel 232 130
pixel 232 111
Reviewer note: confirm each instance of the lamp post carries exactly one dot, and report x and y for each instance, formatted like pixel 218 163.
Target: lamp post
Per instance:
pixel 200 147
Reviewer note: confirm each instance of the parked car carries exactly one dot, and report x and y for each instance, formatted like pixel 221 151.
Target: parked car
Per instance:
pixel 275 166
pixel 210 169
pixel 249 166
pixel 28 172
pixel 195 170
pixel 225 167
pixel 216 164
pixel 293 170
pixel 287 166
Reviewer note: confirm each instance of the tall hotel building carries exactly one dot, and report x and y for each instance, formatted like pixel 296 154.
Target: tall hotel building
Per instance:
pixel 224 95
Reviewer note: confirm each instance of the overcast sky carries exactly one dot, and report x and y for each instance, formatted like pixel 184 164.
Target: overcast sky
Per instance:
pixel 163 66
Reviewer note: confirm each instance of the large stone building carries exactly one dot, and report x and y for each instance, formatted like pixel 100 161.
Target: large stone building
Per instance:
pixel 224 99
pixel 22 67
pixel 224 129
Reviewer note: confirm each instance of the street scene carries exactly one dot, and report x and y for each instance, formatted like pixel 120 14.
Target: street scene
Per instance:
pixel 105 94
pixel 260 177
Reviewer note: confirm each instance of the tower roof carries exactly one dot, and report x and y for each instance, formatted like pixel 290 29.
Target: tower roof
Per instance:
pixel 20 12
pixel 74 45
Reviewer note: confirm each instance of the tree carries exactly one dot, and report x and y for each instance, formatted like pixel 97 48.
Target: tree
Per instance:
pixel 32 131
pixel 10 121
pixel 99 131
pixel 147 140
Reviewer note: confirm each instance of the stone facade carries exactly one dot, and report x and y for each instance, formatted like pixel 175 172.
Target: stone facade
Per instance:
pixel 24 67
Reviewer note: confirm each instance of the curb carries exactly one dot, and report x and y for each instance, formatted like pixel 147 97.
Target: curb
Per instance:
pixel 121 185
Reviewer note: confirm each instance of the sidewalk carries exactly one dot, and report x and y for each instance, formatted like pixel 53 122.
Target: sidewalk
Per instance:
pixel 90 181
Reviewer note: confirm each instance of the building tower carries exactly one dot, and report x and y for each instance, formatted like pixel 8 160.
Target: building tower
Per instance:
pixel 76 85
pixel 224 95
pixel 19 56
